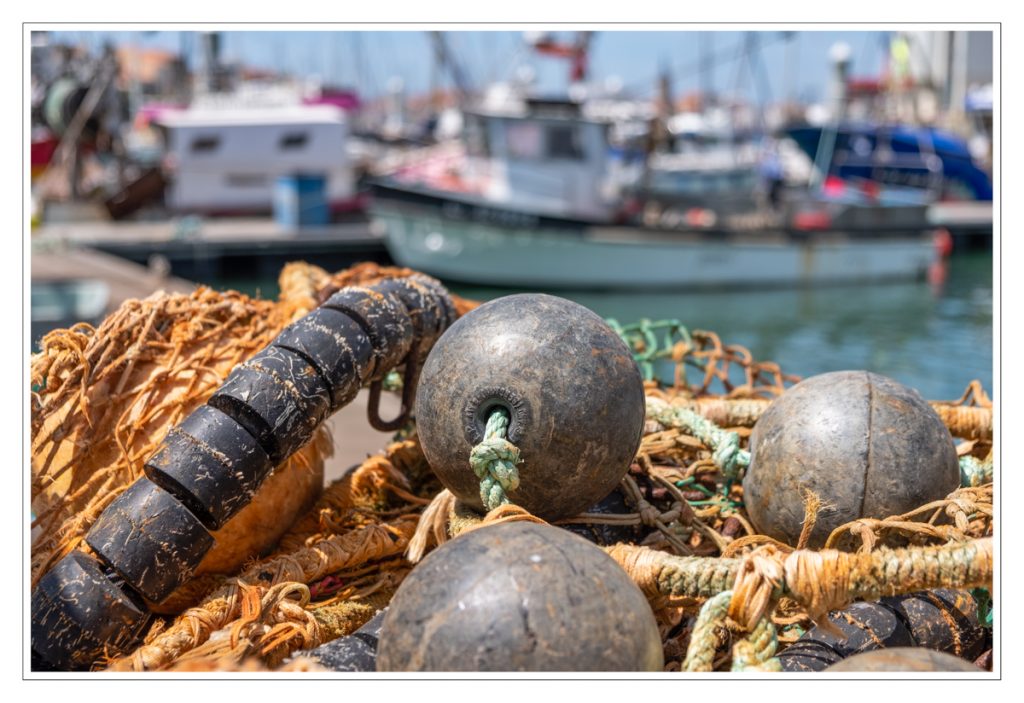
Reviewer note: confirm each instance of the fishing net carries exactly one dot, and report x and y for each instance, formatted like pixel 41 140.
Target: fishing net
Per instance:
pixel 103 398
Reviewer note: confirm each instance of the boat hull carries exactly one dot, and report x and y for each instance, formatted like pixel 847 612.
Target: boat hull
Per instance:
pixel 486 246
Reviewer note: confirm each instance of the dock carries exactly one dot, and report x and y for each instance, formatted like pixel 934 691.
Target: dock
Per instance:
pixel 76 284
pixel 203 250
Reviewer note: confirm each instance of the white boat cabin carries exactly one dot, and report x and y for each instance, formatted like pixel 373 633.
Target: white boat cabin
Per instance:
pixel 228 159
pixel 543 157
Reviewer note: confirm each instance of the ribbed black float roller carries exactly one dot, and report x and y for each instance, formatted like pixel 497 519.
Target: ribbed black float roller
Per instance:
pixel 355 652
pixel 154 535
pixel 942 620
pixel 79 613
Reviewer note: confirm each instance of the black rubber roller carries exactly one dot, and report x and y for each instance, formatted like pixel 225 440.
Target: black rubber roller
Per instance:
pixel 384 319
pixel 863 627
pixel 426 309
pixel 79 615
pixel 338 348
pixel 356 652
pixel 279 401
pixel 211 464
pixel 942 620
pixel 606 535
pixel 151 539
pixel 441 293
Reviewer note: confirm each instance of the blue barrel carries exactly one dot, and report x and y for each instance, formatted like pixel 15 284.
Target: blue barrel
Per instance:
pixel 300 200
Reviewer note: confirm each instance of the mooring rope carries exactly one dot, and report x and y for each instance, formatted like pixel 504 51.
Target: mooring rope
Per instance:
pixel 494 461
pixel 725 445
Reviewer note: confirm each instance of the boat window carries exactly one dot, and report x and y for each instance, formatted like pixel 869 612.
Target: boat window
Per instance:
pixel 245 180
pixel 205 144
pixel 293 140
pixel 477 143
pixel 564 142
pixel 524 140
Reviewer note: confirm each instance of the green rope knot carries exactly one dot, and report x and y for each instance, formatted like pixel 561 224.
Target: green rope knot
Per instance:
pixel 975 472
pixel 725 445
pixel 494 461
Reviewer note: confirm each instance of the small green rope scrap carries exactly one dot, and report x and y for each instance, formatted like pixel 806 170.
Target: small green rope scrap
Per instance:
pixel 725 445
pixel 494 461
pixel 755 652
pixel 984 600
pixel 975 472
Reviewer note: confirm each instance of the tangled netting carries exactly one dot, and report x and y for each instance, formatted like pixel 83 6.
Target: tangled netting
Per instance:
pixel 102 398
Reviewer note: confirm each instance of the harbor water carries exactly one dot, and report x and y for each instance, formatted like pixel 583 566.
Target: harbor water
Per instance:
pixel 935 337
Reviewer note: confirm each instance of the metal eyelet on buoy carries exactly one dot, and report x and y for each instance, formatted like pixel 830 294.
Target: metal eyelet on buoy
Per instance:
pixel 570 389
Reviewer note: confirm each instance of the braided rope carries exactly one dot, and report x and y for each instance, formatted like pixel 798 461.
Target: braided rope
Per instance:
pixel 819 581
pixel 704 641
pixel 494 461
pixel 755 652
pixel 725 445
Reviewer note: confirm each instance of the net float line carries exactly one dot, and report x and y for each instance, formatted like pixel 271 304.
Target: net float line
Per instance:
pixel 820 581
pixel 964 421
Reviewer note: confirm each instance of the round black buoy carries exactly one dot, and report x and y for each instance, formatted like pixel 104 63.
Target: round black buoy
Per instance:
pixel 568 386
pixel 519 596
pixel 904 659
pixel 865 444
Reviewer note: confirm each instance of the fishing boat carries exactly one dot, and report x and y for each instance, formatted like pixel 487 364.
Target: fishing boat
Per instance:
pixel 226 159
pixel 534 195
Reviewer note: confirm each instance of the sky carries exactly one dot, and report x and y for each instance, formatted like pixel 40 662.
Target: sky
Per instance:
pixel 794 66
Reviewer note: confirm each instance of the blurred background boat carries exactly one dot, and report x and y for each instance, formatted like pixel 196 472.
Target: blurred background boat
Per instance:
pixel 733 161
pixel 540 194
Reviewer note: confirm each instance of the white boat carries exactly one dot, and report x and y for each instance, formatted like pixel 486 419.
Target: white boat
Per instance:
pixel 537 199
pixel 227 159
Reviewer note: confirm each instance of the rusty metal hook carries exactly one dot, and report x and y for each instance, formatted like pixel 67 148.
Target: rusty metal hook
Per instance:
pixel 409 379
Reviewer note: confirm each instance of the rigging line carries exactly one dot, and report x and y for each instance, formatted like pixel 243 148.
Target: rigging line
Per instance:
pixel 716 59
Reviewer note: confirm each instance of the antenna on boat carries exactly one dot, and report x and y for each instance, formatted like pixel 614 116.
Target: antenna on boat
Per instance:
pixel 445 58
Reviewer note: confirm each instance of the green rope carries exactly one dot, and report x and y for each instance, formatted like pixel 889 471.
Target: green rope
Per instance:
pixel 393 381
pixel 755 652
pixel 700 654
pixel 725 445
pixel 975 472
pixel 646 347
pixel 984 599
pixel 494 461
